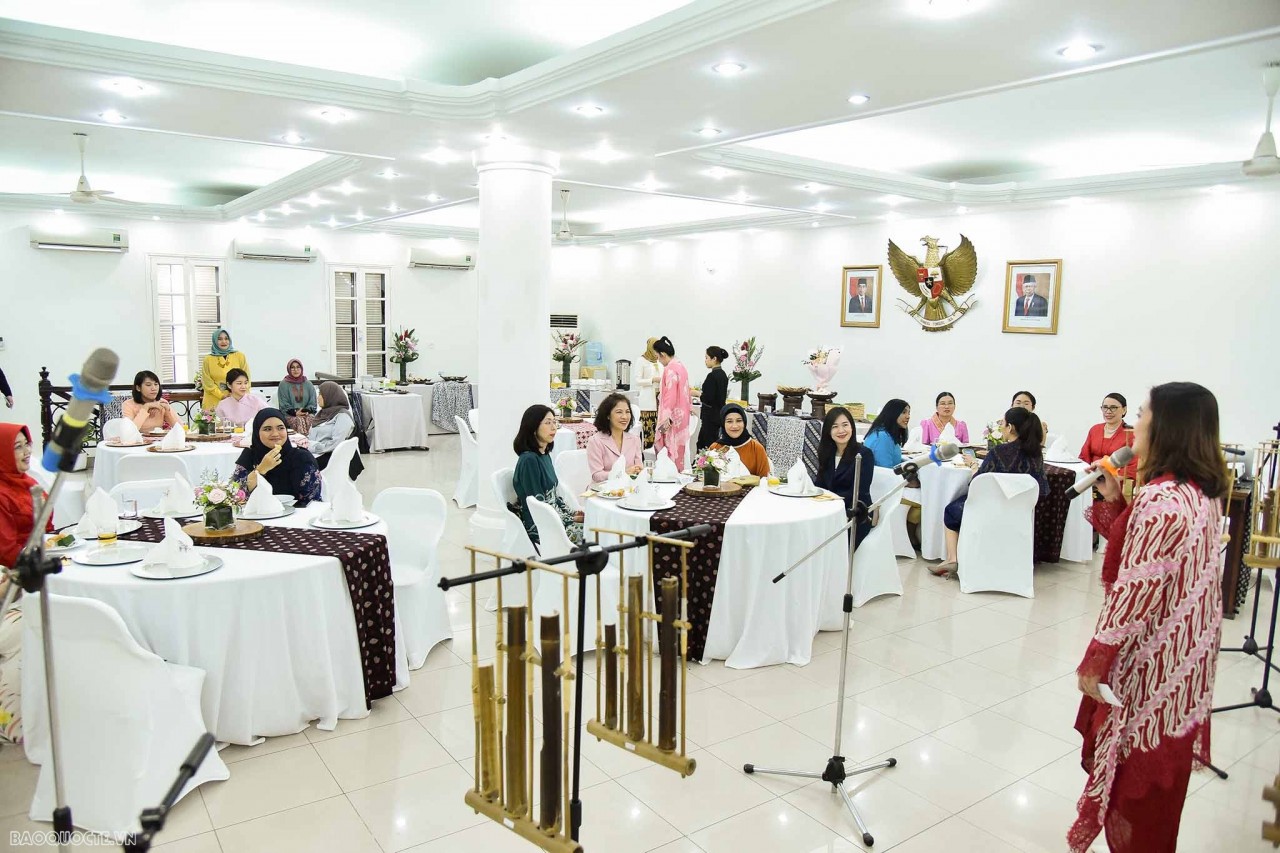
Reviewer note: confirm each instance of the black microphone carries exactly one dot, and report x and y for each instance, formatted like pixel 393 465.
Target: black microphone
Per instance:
pixel 937 454
pixel 1112 463
pixel 88 388
pixel 1234 451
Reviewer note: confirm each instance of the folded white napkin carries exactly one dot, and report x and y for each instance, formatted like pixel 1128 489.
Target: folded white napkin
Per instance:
pixel 798 481
pixel 736 467
pixel 175 551
pixel 948 435
pixel 664 468
pixel 100 515
pixel 124 430
pixel 262 503
pixel 1058 450
pixel 618 478
pixel 175 439
pixel 179 498
pixel 345 502
pixel 646 493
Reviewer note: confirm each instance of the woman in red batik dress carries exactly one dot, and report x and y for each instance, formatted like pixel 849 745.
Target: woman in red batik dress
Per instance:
pixel 1156 643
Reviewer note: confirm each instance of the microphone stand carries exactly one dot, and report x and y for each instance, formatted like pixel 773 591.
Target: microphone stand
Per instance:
pixel 835 771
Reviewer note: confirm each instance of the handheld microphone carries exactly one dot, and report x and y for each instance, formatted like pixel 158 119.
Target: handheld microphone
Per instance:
pixel 88 387
pixel 1112 463
pixel 937 454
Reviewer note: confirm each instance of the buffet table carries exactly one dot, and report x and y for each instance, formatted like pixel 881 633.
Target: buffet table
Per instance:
pixel 572 437
pixel 427 393
pixel 443 400
pixel 274 632
pixel 747 620
pixel 393 421
pixel 219 456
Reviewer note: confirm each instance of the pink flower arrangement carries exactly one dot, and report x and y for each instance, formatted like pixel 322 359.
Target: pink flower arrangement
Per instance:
pixel 405 344
pixel 566 346
pixel 215 493
pixel 745 357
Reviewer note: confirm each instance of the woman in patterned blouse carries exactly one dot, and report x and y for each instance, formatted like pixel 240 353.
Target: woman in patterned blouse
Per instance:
pixel 535 476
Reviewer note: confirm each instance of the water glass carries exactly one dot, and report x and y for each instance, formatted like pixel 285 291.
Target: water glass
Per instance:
pixel 129 509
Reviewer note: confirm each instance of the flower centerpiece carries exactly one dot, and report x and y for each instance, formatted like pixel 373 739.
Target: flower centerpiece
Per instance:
pixel 745 357
pixel 994 434
pixel 822 363
pixel 405 344
pixel 219 499
pixel 198 380
pixel 565 405
pixel 565 350
pixel 710 464
pixel 205 421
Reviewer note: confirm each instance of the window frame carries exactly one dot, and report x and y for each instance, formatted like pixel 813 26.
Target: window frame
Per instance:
pixel 195 350
pixel 360 272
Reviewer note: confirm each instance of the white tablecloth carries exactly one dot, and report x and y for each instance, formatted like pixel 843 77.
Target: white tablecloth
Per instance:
pixel 1077 536
pixel 394 421
pixel 939 486
pixel 427 393
pixel 755 622
pixel 274 633
pixel 218 456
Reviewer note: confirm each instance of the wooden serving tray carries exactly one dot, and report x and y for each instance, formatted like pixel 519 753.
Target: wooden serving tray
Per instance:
pixel 726 488
pixel 220 436
pixel 242 531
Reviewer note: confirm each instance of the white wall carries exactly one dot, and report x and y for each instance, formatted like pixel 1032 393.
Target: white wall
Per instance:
pixel 1153 291
pixel 58 305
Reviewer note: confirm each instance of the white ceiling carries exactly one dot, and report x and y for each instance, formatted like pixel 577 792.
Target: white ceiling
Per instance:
pixel 977 109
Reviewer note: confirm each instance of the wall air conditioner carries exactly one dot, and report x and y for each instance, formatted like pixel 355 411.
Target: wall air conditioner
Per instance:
pixel 82 240
pixel 432 259
pixel 274 250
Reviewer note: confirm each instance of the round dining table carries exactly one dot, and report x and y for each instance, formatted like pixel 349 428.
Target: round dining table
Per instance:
pixel 274 633
pixel 755 622
pixel 218 456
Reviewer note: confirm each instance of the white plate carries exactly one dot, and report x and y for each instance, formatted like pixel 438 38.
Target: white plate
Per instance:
pixel 324 524
pixel 778 490
pixel 286 500
pixel 1072 461
pixel 65 548
pixel 288 510
pixel 111 555
pixel 115 442
pixel 155 513
pixel 600 487
pixel 123 526
pixel 657 508
pixel 157 573
pixel 155 448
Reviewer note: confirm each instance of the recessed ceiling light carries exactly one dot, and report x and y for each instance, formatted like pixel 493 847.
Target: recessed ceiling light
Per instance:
pixel 441 155
pixel 648 184
pixel 1219 189
pixel 346 188
pixel 858 99
pixel 1079 50
pixel 57 211
pixel 293 138
pixel 740 196
pixel 717 172
pixel 495 136
pixel 112 116
pixel 589 109
pixel 1074 201
pixel 892 200
pixel 892 217
pixel 812 188
pixel 314 200
pixel 155 219
pixel 602 153
pixel 126 86
pixel 962 209
pixel 813 224
pixel 943 8
pixel 610 245
pixel 728 68
pixel 359 215
pixel 821 207
pixel 434 197
pixel 286 209
pixel 333 115
pixel 388 173
pixel 708 131
pixel 333 222
pixel 393 207
pixel 262 216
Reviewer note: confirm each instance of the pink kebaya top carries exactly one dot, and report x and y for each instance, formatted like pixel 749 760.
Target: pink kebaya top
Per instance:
pixel 240 411
pixel 602 452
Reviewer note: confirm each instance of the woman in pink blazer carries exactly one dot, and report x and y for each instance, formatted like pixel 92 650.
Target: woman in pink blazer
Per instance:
pixel 612 439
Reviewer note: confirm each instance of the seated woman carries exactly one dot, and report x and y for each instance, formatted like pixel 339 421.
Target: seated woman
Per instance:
pixel 1020 454
pixel 888 433
pixel 931 428
pixel 535 476
pixel 1110 435
pixel 837 450
pixel 296 397
pixel 1027 400
pixel 333 425
pixel 611 441
pixel 241 404
pixel 272 458
pixel 733 433
pixel 17 515
pixel 147 410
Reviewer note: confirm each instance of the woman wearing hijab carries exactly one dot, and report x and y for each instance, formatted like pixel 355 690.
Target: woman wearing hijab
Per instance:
pixel 222 358
pixel 273 458
pixel 713 396
pixel 334 423
pixel 296 397
pixel 733 433
pixel 648 380
pixel 673 405
pixel 17 516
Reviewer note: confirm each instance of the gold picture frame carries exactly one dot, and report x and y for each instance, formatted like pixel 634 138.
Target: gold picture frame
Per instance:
pixel 1034 313
pixel 850 277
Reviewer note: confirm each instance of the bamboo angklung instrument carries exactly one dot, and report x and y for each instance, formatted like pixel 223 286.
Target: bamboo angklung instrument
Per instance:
pixel 549 767
pixel 516 803
pixel 669 604
pixel 635 658
pixel 610 653
pixel 487 715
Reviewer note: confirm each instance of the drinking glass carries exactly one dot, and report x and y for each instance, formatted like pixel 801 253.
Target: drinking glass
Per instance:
pixel 130 509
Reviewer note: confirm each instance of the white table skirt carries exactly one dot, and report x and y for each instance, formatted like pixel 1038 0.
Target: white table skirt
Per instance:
pixel 939 486
pixel 427 393
pixel 755 622
pixel 398 420
pixel 1077 536
pixel 218 456
pixel 274 634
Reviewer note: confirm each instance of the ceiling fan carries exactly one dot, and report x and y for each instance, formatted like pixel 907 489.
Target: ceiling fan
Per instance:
pixel 565 234
pixel 84 193
pixel 1264 161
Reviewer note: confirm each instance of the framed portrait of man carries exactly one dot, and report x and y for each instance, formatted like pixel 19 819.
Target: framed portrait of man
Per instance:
pixel 1032 293
pixel 860 296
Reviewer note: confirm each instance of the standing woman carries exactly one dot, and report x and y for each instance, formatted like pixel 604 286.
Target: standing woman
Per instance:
pixel 272 458
pixel 296 397
pixel 535 476
pixel 838 449
pixel 673 405
pixel 222 358
pixel 714 394
pixel 1156 642
pixel 944 413
pixel 649 379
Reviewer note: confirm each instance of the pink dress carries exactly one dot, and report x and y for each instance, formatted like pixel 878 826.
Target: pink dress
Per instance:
pixel 240 411
pixel 602 453
pixel 929 432
pixel 673 403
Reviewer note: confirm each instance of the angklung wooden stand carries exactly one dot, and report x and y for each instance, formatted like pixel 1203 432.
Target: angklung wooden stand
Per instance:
pixel 503 691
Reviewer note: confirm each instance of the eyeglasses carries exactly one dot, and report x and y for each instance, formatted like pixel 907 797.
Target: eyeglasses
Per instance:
pixel 1111 408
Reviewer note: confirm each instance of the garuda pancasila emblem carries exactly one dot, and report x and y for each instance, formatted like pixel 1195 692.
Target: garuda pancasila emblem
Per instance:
pixel 937 284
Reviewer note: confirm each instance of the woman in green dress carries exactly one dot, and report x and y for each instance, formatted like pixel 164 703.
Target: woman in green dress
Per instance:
pixel 535 476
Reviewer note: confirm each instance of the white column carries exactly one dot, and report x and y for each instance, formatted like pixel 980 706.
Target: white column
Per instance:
pixel 514 324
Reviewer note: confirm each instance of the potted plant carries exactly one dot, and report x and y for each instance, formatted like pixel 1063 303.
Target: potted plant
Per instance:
pixel 710 464
pixel 204 421
pixel 745 356
pixel 219 499
pixel 566 348
pixel 405 344
pixel 994 435
pixel 565 405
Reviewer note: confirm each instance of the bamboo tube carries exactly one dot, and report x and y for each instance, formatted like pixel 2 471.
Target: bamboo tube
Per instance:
pixel 611 676
pixel 635 658
pixel 516 803
pixel 490 776
pixel 668 592
pixel 549 819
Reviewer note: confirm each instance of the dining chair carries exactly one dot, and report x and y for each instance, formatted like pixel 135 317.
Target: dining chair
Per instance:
pixel 997 539
pixel 549 596
pixel 515 541
pixel 574 474
pixel 473 418
pixel 875 566
pixel 148 493
pixel 150 466
pixel 468 489
pixel 415 520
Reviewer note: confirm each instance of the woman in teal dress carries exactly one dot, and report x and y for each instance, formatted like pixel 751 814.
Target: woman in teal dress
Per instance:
pixel 535 476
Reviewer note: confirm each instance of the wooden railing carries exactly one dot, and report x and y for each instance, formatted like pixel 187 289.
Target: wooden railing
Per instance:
pixel 185 402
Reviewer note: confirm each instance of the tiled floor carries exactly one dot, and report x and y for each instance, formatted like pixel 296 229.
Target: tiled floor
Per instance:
pixel 973 694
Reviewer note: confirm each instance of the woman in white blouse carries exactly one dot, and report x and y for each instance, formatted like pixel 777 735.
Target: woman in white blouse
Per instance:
pixel 648 380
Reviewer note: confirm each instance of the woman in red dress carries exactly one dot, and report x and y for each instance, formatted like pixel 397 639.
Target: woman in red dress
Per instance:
pixel 1156 642
pixel 1110 435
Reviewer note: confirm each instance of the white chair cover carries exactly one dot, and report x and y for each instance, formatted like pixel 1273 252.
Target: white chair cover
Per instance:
pixel 70 503
pixel 882 481
pixel 875 566
pixel 515 541
pixel 149 466
pixel 415 522
pixel 997 547
pixel 146 492
pixel 473 418
pixel 127 718
pixel 549 596
pixel 695 424
pixel 468 490
pixel 574 474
